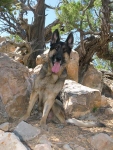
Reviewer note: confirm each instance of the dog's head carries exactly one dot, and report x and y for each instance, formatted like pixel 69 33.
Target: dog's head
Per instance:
pixel 59 53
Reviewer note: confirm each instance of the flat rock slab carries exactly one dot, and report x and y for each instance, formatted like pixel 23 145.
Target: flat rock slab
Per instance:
pixel 9 141
pixel 26 131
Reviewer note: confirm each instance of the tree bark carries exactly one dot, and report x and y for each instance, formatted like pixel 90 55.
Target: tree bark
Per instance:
pixel 36 33
pixel 92 45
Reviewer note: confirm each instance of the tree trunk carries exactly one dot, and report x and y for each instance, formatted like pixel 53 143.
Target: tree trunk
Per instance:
pixel 92 45
pixel 36 33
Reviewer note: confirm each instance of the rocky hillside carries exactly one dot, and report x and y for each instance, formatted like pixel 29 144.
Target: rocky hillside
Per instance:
pixel 92 100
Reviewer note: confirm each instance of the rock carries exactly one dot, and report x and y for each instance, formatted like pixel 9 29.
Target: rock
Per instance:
pixel 92 78
pixel 4 126
pixel 73 66
pixel 6 46
pixel 101 141
pixel 107 89
pixel 43 147
pixel 26 131
pixel 9 141
pixel 110 102
pixel 109 111
pixel 89 116
pixel 79 100
pixel 77 147
pixel 43 140
pixel 104 101
pixel 66 147
pixel 37 69
pixel 15 88
pixel 40 59
pixel 2 39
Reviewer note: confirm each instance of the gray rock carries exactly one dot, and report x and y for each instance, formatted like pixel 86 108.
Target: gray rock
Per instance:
pixel 66 147
pixel 9 141
pixel 26 131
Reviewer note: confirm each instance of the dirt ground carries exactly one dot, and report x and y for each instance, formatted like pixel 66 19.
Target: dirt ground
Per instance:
pixel 72 135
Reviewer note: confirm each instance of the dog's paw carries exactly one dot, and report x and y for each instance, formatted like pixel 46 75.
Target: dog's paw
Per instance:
pixel 43 126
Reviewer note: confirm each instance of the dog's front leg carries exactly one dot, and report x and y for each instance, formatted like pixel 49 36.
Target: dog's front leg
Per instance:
pixel 47 107
pixel 33 99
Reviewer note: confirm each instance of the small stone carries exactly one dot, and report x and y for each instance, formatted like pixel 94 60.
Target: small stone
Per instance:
pixel 77 147
pixel 104 102
pixel 66 147
pixel 4 126
pixel 43 147
pixel 26 131
pixel 43 140
pixel 109 111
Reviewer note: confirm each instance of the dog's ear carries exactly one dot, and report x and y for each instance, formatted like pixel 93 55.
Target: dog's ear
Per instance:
pixel 70 40
pixel 55 37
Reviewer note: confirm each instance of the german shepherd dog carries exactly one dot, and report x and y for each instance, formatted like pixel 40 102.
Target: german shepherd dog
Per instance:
pixel 50 80
pixel 51 77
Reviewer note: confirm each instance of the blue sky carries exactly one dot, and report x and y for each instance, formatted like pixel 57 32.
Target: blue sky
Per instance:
pixel 50 13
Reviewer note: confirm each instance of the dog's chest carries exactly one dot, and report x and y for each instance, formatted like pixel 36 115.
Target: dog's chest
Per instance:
pixel 48 85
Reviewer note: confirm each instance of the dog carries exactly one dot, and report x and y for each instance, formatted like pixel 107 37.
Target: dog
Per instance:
pixel 51 77
pixel 50 80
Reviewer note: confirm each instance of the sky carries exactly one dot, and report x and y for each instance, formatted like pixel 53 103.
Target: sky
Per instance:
pixel 50 14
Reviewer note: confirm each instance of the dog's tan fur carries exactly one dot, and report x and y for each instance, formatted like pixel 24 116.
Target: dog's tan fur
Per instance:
pixel 44 84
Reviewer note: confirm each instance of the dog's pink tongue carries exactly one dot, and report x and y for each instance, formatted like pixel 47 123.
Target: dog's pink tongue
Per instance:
pixel 56 67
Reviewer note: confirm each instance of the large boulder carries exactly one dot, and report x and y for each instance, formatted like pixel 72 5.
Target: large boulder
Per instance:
pixel 92 78
pixel 79 100
pixel 73 66
pixel 15 88
pixel 107 89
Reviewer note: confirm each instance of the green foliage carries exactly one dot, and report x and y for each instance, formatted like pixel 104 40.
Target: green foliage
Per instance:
pixel 10 6
pixel 55 27
pixel 15 38
pixel 101 64
pixel 75 15
pixel 6 5
pixel 97 3
pixel 94 109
